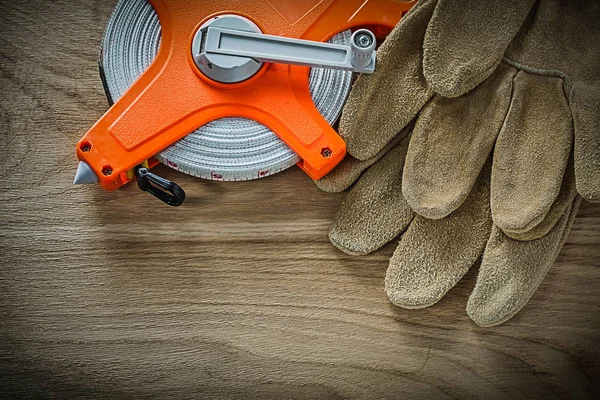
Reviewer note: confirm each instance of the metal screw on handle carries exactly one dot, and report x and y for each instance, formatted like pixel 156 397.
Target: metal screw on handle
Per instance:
pixel 363 40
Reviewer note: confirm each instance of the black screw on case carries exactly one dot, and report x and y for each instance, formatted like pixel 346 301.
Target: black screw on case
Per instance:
pixel 161 188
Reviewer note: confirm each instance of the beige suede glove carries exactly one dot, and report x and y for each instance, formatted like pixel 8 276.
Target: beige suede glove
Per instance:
pixel 433 255
pixel 524 113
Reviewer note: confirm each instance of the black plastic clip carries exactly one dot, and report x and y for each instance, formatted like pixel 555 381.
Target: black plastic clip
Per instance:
pixel 161 188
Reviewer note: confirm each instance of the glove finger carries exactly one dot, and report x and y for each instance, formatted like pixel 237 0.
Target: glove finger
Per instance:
pixel 531 153
pixel 557 210
pixel 383 103
pixel 350 169
pixel 451 142
pixel 512 270
pixel 585 103
pixel 374 212
pixel 433 255
pixel 466 40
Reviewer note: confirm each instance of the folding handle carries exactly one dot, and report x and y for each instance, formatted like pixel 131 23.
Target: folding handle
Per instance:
pixel 359 56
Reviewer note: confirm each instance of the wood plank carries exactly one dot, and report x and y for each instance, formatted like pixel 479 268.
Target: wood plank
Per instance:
pixel 238 293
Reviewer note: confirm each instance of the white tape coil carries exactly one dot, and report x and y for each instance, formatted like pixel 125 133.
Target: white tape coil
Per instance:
pixel 225 149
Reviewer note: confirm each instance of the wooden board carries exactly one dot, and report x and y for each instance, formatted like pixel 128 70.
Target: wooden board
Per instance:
pixel 238 293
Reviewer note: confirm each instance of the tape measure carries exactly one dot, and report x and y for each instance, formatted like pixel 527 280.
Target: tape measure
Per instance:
pixel 229 149
pixel 227 89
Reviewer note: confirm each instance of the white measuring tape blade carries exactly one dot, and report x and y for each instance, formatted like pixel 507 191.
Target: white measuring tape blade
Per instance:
pixel 230 149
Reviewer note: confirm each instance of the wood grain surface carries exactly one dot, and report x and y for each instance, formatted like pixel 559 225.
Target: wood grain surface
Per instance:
pixel 238 293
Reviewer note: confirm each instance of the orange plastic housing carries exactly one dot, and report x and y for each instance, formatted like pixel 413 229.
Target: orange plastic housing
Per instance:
pixel 172 98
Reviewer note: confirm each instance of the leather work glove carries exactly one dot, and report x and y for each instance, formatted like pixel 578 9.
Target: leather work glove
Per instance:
pixel 525 85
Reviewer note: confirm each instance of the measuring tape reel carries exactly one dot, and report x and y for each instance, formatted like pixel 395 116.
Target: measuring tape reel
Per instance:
pixel 221 90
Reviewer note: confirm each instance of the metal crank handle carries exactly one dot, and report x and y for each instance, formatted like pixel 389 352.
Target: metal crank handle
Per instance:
pixel 359 56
